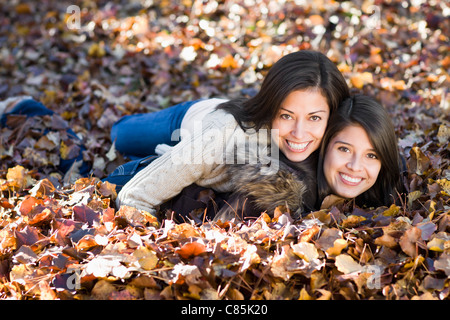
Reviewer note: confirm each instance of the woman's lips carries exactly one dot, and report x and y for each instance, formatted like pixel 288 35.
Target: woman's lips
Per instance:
pixel 350 180
pixel 297 147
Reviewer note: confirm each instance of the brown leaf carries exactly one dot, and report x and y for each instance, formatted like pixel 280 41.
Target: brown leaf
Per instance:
pixel 136 217
pixel 184 230
pixel 352 221
pixel 328 237
pixel 408 241
pixel 107 189
pixel 85 214
pixel 37 217
pixel 331 201
pixel 386 240
pixel 418 162
pixel 28 236
pixel 43 188
pixel 443 263
pixel 308 234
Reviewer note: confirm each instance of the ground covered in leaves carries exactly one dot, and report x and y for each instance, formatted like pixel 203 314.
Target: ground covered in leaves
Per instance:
pixel 61 236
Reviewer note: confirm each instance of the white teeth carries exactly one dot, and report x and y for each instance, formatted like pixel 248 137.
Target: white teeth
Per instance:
pixel 297 146
pixel 350 179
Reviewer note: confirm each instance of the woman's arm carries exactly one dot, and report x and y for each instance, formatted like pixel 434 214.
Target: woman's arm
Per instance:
pixel 180 167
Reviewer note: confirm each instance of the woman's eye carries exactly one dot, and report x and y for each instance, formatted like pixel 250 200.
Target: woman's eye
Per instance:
pixel 372 156
pixel 285 116
pixel 315 118
pixel 343 149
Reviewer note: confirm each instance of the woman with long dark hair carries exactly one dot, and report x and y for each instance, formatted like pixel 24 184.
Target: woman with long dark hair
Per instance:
pixel 288 114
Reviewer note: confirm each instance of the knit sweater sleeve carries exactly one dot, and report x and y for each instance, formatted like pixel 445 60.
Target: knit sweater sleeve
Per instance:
pixel 190 160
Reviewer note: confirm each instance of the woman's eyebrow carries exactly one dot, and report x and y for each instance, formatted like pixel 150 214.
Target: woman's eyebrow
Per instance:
pixel 349 144
pixel 342 142
pixel 318 111
pixel 287 110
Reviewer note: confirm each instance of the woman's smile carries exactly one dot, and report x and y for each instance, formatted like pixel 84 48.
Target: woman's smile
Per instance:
pixel 350 180
pixel 297 147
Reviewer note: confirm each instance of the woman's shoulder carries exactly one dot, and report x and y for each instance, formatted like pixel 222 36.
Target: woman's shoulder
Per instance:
pixel 221 118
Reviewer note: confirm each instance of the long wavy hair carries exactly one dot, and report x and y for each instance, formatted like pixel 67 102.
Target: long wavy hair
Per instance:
pixel 299 70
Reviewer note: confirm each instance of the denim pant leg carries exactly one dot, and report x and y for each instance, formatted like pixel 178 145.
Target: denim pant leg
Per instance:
pixel 31 108
pixel 123 173
pixel 137 135
pixel 28 107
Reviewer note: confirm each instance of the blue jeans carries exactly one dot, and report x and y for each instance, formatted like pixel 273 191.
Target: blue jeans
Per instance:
pixel 137 135
pixel 31 108
pixel 123 173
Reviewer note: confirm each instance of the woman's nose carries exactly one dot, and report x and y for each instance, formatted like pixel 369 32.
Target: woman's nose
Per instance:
pixel 354 163
pixel 298 131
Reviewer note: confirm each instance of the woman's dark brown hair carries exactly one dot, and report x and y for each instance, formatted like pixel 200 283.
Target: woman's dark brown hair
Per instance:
pixel 299 70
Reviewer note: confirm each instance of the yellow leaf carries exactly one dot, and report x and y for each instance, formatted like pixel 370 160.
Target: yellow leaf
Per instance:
pixel 338 246
pixel 415 262
pixel 147 259
pixel 436 245
pixel 352 221
pixel 445 185
pixel 392 211
pixel 304 295
pixel 305 250
pixel 345 264
pixel 413 196
pixel 97 50
pixel 343 67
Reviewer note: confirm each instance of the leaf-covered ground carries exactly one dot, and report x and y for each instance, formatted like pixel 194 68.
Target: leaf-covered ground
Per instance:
pixel 62 238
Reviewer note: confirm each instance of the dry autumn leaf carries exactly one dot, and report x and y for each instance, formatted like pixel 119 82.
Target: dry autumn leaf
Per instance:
pixel 408 242
pixel 191 249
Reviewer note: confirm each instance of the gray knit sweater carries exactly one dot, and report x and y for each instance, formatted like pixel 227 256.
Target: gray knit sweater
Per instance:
pixel 198 158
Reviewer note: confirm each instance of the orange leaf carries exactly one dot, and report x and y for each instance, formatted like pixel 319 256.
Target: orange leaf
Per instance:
pixel 5 203
pixel 191 249
pixel 229 62
pixel 28 204
pixel 18 176
pixel 23 8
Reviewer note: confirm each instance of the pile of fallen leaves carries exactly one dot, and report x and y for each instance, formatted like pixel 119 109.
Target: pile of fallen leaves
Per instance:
pixel 72 244
pixel 61 235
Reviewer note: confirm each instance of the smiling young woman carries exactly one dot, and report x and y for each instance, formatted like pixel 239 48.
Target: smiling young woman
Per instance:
pixel 351 163
pixel 359 156
pixel 301 123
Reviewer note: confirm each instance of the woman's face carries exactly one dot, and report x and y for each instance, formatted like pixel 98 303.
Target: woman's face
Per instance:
pixel 351 165
pixel 301 122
